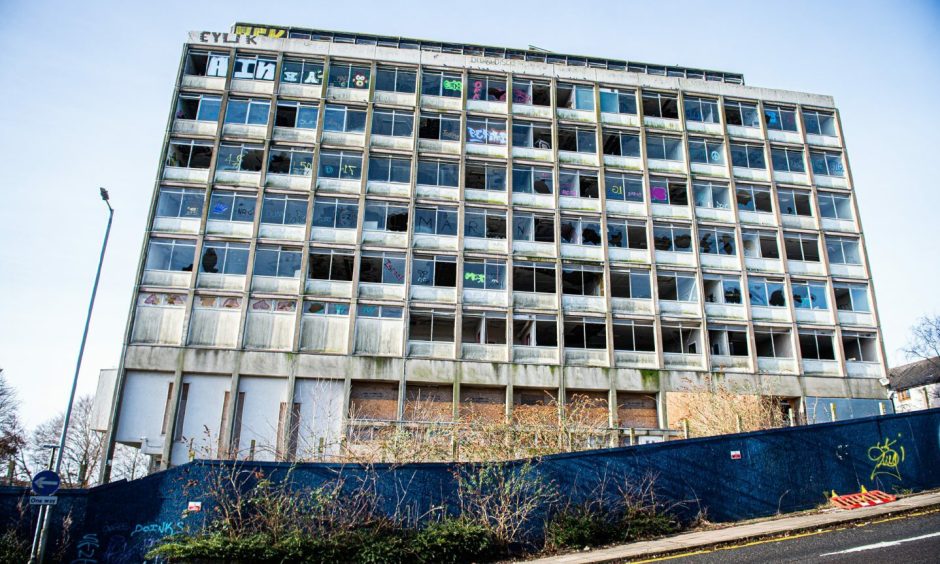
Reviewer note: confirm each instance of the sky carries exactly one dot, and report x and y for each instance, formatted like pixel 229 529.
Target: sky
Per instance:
pixel 87 88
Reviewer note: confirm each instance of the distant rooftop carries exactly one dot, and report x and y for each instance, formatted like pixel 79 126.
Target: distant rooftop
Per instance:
pixel 915 374
pixel 530 54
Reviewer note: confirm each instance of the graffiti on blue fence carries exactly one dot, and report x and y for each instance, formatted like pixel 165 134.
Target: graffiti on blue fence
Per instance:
pixel 887 459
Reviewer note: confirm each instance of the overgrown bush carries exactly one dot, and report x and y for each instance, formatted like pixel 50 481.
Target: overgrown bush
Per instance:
pixel 14 549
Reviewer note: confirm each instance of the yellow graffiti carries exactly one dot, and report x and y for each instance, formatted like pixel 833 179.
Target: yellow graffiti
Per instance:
pixel 886 459
pixel 257 31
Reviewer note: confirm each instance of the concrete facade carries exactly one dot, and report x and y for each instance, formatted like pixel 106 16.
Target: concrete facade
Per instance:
pixel 335 242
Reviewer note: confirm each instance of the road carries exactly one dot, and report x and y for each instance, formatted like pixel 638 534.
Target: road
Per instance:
pixel 908 538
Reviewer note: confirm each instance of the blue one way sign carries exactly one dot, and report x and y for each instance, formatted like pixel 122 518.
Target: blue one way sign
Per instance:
pixel 46 482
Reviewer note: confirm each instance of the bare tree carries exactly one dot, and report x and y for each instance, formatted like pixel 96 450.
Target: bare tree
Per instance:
pixel 925 340
pixel 12 438
pixel 82 448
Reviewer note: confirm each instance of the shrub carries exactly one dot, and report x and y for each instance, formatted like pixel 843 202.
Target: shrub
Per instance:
pixel 453 541
pixel 13 548
pixel 596 525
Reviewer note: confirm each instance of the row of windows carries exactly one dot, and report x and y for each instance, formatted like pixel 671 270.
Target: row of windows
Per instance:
pixel 221 257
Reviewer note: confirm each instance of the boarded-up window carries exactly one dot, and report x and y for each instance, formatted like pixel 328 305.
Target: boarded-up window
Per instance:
pixel 429 403
pixel 637 410
pixel 534 407
pixel 483 404
pixel 373 402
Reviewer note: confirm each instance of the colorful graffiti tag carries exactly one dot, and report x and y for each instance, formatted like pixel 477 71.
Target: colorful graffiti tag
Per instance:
pixel 887 460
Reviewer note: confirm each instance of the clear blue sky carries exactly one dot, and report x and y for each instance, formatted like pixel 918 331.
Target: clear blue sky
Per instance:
pixel 87 87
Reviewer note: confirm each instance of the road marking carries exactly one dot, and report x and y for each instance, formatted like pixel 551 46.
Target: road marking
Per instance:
pixel 878 545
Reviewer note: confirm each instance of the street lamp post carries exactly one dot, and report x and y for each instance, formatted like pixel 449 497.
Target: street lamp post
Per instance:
pixel 43 529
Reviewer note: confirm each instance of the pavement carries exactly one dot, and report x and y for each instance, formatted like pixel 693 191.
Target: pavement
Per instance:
pixel 791 527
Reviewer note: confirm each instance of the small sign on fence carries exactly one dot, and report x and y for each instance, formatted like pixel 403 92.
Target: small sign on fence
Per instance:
pixel 735 455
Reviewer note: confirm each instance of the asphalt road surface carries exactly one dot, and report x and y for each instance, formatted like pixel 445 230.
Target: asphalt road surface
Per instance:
pixel 904 539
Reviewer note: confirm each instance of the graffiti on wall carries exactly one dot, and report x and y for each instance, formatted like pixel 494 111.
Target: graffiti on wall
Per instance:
pixel 261 31
pixel 887 458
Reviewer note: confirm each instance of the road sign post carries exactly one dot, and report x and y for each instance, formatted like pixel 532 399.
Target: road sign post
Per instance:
pixel 46 483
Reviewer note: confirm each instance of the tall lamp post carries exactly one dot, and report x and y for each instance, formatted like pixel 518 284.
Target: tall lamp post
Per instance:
pixel 44 518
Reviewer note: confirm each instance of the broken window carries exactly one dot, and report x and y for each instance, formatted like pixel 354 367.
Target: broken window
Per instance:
pixel 676 238
pixel 575 96
pixel 780 118
pixel 618 101
pixel 382 268
pixel 349 76
pixel 635 336
pixel 787 159
pixel 717 241
pixel 582 280
pixel 381 215
pixel 395 79
pixel 531 92
pixel 394 123
pixel 630 284
pixel 585 333
pixel 626 234
pixel 379 311
pixel 485 176
pixel 754 198
pixel 760 244
pixel 290 160
pixel 801 246
pixel 681 338
pixel 711 195
pixel 189 153
pixel 809 294
pixel 773 342
pixel 198 107
pixel 835 206
pixel 661 105
pixel 577 139
pixel 704 110
pixel 484 327
pixel 240 157
pixel 535 135
pixel 439 271
pixel 720 289
pixel 707 151
pixel 851 297
pixel 232 206
pixel 277 260
pixel 171 254
pixel 438 173
pixel 220 257
pixel 532 179
pixel 296 114
pixel 747 155
pixel 340 164
pixel 677 286
pixel 842 250
pixel 326 308
pixel 443 127
pixel 389 169
pixel 581 231
pixel 490 88
pixel 827 163
pixel 664 148
pixel 486 131
pixel 331 264
pixel 484 274
pixel 816 345
pixel 794 202
pixel 819 123
pixel 300 71
pixel 666 191
pixel 180 202
pixel 431 326
pixel 621 143
pixel 206 63
pixel 436 220
pixel 741 113
pixel 729 340
pixel 344 119
pixel 439 83
pixel 484 223
pixel 860 347
pixel 281 209
pixel 254 67
pixel 538 277
pixel 247 111
pixel 578 183
pixel 337 213
pixel 623 187
pixel 767 292
pixel 533 227
pixel 535 330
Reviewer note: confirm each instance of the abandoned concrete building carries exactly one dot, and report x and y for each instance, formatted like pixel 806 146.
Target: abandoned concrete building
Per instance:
pixel 344 224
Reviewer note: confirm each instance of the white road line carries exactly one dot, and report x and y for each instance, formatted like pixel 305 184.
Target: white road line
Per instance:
pixel 880 545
